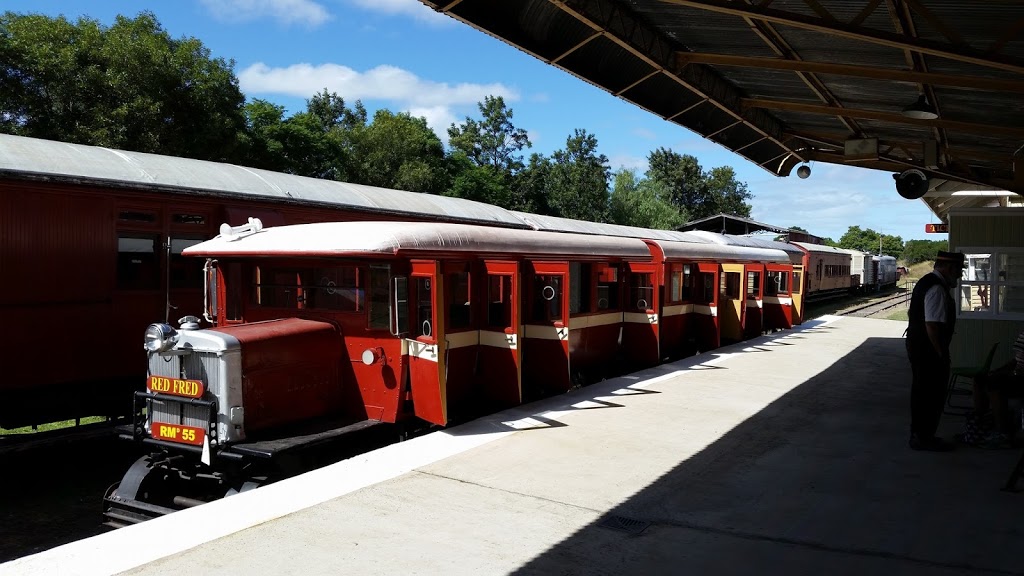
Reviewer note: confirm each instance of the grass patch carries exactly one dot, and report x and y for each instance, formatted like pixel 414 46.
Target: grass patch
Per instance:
pixel 919 270
pixel 898 315
pixel 51 426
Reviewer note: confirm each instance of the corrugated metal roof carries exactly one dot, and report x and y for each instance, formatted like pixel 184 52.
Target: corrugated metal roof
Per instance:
pixel 59 161
pixel 329 239
pixel 630 38
pixel 821 248
pixel 720 252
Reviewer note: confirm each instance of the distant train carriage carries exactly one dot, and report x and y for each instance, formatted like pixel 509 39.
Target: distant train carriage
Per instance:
pixel 886 271
pixel 861 270
pixel 828 270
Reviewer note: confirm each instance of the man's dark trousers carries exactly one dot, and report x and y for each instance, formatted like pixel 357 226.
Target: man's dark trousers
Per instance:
pixel 927 393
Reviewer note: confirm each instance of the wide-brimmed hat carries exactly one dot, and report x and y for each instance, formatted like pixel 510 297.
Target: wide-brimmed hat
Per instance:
pixel 956 258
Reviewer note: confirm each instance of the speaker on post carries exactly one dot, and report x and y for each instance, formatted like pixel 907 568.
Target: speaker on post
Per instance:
pixel 911 184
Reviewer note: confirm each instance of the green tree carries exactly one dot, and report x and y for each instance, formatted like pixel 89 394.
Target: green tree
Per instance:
pixel 493 140
pixel 868 240
pixel 579 179
pixel 923 250
pixel 128 86
pixel 480 183
pixel 696 192
pixel 727 194
pixel 532 185
pixel 642 202
pixel 400 151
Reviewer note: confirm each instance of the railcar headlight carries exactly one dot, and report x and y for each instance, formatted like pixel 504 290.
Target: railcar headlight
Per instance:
pixel 160 338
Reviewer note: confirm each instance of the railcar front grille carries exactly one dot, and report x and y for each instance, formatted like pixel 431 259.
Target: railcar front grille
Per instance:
pixel 202 366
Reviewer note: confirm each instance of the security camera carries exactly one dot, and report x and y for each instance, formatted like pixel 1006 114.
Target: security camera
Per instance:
pixel 911 184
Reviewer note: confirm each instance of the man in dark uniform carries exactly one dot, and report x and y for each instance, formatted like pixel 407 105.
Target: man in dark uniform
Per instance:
pixel 932 320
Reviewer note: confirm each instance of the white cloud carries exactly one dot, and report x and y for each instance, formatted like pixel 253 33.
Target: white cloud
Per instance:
pixel 412 8
pixel 644 133
pixel 540 97
pixel 305 12
pixel 620 161
pixel 435 101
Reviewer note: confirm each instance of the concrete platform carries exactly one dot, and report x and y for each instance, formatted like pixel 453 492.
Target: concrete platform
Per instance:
pixel 786 454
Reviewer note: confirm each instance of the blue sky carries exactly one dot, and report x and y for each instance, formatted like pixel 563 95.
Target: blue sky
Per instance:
pixel 400 55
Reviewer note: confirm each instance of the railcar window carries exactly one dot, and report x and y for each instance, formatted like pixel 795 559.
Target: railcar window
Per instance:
pixel 607 287
pixel 138 262
pixel 499 301
pixel 136 216
pixel 233 291
pixel 185 272
pixel 797 282
pixel 679 277
pixel 424 307
pixel 708 290
pixel 641 291
pixel 776 283
pixel 193 219
pixel 547 298
pixel 580 279
pixel 459 307
pixel 753 285
pixel 335 288
pixel 731 285
pixel 379 306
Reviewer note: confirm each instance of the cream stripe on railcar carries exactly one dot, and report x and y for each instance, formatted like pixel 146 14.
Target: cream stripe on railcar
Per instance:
pixel 784 300
pixel 455 340
pixel 593 321
pixel 705 310
pixel 545 332
pixel 420 350
pixel 499 340
pixel 676 310
pixel 639 318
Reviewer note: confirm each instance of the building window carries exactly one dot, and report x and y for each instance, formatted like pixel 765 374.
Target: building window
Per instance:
pixel 992 284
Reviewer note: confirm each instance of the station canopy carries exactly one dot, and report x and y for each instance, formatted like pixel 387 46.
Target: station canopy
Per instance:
pixel 893 85
pixel 729 224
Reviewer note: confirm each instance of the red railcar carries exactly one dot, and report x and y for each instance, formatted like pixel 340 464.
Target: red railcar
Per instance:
pixel 91 243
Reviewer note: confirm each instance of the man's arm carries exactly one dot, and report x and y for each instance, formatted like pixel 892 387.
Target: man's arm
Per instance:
pixel 934 330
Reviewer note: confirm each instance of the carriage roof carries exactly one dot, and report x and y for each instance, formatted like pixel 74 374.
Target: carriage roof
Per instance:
pixel 331 239
pixel 821 248
pixel 75 163
pixel 719 252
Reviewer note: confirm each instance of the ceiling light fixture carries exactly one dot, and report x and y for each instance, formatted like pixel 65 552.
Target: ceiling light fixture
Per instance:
pixel 803 171
pixel 921 110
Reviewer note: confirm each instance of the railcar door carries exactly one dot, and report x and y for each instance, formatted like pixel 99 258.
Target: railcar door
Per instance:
pixel 753 325
pixel 499 365
pixel 640 317
pixel 797 295
pixel 732 302
pixel 705 308
pixel 425 344
pixel 545 351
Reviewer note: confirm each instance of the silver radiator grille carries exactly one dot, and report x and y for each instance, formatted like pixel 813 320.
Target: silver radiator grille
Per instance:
pixel 202 366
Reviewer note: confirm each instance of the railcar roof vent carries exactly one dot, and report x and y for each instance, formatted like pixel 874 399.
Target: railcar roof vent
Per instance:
pixel 232 233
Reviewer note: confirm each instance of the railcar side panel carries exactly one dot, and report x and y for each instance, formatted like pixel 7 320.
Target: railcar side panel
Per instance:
pixel 640 316
pixel 546 368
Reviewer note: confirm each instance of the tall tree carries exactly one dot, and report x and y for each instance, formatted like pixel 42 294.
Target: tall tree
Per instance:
pixel 127 86
pixel 868 240
pixel 696 192
pixel 727 194
pixel 400 151
pixel 642 202
pixel 579 179
pixel 493 140
pixel 532 185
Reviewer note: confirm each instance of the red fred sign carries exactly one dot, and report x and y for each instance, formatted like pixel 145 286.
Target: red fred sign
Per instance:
pixel 178 433
pixel 175 387
pixel 936 228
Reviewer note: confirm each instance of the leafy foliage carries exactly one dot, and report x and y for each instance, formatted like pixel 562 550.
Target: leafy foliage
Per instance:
pixel 923 250
pixel 579 179
pixel 696 192
pixel 128 86
pixel 493 141
pixel 643 203
pixel 868 240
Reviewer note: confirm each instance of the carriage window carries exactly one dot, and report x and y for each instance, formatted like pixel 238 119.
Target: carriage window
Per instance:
pixel 499 301
pixel 459 307
pixel 730 285
pixel 188 219
pixel 138 262
pixel 136 216
pixel 337 288
pixel 607 287
pixel 708 287
pixel 185 272
pixel 547 298
pixel 424 307
pixel 641 291
pixel 776 283
pixel 580 280
pixel 796 282
pixel 379 306
pixel 675 283
pixel 753 285
pixel 232 291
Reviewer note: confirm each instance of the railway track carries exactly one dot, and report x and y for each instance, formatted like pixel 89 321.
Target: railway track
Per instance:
pixel 875 307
